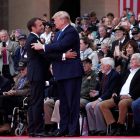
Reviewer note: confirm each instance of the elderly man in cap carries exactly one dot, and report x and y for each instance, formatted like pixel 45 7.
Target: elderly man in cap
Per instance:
pixel 136 35
pixel 93 19
pixel 125 92
pixel 121 40
pixel 15 96
pixel 86 23
pixel 95 117
pixel 21 51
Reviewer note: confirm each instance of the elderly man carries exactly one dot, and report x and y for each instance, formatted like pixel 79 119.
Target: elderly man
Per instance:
pixel 136 35
pixel 7 55
pixel 68 74
pixel 15 96
pixel 95 117
pixel 21 51
pixel 121 40
pixel 104 37
pixel 126 91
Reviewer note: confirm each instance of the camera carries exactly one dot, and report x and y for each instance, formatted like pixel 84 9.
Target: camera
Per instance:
pixel 4 44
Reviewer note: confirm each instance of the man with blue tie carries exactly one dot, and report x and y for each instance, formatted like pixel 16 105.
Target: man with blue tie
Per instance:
pixel 68 74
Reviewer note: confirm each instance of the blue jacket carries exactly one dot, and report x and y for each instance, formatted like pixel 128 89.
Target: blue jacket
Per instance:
pixel 70 68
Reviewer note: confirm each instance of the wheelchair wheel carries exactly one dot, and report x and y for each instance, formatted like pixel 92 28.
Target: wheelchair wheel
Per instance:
pixel 20 131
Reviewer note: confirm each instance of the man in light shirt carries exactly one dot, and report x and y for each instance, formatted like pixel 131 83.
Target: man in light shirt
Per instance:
pixel 125 92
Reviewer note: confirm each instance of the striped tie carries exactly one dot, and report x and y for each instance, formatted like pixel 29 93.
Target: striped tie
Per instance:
pixel 4 57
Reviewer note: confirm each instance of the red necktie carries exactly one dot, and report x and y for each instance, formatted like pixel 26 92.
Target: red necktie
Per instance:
pixel 4 57
pixel 120 45
pixel 105 78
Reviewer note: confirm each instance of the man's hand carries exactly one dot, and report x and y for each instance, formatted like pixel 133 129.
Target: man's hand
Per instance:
pixel 114 94
pixel 124 97
pixel 11 92
pixel 37 46
pixel 93 93
pixel 7 48
pixel 95 102
pixel 70 54
pixel 2 48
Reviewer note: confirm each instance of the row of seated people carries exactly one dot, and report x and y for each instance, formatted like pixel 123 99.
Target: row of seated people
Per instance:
pixel 114 90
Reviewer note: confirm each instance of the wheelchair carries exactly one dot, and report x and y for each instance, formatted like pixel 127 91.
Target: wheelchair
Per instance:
pixel 19 121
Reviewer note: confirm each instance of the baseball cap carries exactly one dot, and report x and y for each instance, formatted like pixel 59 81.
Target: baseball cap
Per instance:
pixel 87 60
pixel 22 64
pixel 119 28
pixel 86 16
pixel 135 30
pixel 22 36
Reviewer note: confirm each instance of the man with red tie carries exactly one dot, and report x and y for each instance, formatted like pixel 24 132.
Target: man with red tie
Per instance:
pixel 7 54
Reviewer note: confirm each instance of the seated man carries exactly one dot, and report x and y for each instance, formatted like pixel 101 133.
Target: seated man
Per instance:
pixel 49 103
pixel 15 96
pixel 125 92
pixel 135 130
pixel 94 115
pixel 90 81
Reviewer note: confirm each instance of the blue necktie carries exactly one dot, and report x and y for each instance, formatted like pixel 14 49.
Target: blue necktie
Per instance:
pixel 59 34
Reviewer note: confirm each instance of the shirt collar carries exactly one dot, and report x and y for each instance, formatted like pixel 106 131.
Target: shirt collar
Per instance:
pixel 108 72
pixel 122 40
pixel 35 34
pixel 7 43
pixel 65 27
pixel 135 70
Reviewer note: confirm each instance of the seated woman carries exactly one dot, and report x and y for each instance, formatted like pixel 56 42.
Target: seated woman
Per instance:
pixel 123 59
pixel 87 50
pixel 106 51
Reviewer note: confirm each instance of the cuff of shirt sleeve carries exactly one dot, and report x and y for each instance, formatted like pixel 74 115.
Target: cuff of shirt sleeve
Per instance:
pixel 47 83
pixel 44 48
pixel 129 95
pixel 63 57
pixel 100 99
pixel 97 92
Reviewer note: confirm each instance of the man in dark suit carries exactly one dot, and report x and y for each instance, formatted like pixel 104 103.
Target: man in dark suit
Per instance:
pixel 36 76
pixel 126 91
pixel 121 40
pixel 68 74
pixel 97 124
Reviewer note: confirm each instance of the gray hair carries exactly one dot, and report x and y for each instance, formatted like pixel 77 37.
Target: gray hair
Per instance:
pixel 3 30
pixel 62 15
pixel 137 55
pixel 108 61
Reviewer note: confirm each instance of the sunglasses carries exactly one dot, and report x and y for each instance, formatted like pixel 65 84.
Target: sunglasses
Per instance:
pixel 52 36
pixel 47 26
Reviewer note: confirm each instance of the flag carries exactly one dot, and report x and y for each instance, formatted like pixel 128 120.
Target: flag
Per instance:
pixel 134 5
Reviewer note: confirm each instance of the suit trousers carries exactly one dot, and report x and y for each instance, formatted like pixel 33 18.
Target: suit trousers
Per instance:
pixel 69 95
pixel 136 110
pixel 123 108
pixel 95 118
pixel 35 109
pixel 48 110
pixel 56 116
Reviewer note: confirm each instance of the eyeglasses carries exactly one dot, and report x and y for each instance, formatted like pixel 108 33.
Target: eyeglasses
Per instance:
pixel 52 36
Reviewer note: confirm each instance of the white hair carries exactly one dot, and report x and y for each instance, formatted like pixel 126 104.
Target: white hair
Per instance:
pixel 137 55
pixel 108 61
pixel 62 15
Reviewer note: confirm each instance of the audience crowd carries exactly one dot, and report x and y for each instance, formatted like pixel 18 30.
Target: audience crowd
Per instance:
pixel 109 51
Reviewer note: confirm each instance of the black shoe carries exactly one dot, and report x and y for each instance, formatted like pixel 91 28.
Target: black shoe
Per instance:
pixel 59 134
pixel 72 135
pixel 31 134
pixel 113 131
pixel 93 133
pixel 102 133
pixel 54 132
pixel 120 130
pixel 134 131
pixel 42 134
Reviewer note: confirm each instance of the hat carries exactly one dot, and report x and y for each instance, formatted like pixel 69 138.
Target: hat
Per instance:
pixel 86 16
pixel 22 36
pixel 135 30
pixel 52 23
pixel 22 64
pixel 101 53
pixel 16 73
pixel 87 60
pixel 119 28
pixel 92 14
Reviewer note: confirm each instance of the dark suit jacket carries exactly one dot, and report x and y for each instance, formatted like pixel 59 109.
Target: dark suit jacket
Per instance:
pixel 18 57
pixel 134 89
pixel 112 79
pixel 36 61
pixel 5 84
pixel 53 91
pixel 116 42
pixel 70 68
